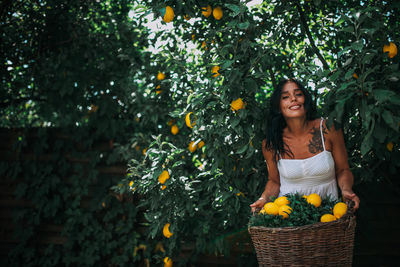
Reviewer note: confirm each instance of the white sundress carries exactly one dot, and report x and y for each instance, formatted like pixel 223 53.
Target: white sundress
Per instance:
pixel 311 175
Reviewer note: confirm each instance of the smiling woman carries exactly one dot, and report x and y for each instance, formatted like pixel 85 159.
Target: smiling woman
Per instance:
pixel 302 155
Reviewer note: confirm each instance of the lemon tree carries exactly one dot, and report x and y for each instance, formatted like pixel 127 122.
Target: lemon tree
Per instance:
pixel 222 61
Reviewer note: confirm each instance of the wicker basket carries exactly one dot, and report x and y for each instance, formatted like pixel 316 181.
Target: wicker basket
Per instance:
pixel 319 244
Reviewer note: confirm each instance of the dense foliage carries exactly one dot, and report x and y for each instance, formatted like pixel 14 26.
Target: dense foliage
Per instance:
pixel 88 65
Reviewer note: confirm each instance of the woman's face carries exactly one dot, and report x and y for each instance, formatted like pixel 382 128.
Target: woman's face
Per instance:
pixel 292 101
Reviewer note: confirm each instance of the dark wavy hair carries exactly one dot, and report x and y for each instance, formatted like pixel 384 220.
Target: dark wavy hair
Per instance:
pixel 276 122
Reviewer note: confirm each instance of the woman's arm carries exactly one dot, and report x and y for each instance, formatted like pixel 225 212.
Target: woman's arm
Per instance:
pixel 273 185
pixel 344 176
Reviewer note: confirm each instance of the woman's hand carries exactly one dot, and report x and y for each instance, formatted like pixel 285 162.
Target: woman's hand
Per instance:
pixel 259 204
pixel 349 195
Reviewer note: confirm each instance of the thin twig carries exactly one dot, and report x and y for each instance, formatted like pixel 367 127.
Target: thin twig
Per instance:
pixel 308 33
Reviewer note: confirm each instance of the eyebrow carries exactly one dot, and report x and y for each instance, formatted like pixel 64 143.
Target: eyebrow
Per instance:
pixel 286 92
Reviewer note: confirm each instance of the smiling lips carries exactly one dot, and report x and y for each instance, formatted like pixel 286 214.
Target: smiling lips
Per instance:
pixel 294 107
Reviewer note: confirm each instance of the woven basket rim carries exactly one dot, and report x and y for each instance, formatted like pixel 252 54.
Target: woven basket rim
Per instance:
pixel 344 219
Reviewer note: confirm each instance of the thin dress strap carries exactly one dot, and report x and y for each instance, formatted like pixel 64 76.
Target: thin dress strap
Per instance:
pixel 322 135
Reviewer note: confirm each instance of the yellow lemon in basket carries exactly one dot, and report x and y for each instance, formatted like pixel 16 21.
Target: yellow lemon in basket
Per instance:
pixel 328 218
pixel 280 201
pixel 284 211
pixel 339 209
pixel 166 231
pixel 314 199
pixel 271 208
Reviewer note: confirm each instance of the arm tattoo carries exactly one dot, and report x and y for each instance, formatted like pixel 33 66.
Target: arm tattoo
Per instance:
pixel 315 146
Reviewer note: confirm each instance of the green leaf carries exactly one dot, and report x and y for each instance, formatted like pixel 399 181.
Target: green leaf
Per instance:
pixel 244 25
pixel 235 121
pixel 358 45
pixel 227 64
pixel 382 95
pixel 388 118
pixel 242 149
pixel 234 8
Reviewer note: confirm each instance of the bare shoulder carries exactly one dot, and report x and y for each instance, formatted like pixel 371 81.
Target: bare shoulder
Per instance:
pixel 268 153
pixel 331 131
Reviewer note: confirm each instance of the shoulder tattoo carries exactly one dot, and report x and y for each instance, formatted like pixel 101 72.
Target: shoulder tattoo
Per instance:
pixel 315 145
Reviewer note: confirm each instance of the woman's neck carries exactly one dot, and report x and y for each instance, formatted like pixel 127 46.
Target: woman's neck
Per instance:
pixel 297 126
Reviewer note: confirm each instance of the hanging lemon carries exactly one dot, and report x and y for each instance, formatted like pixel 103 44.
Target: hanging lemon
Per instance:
pixel 217 13
pixel 189 121
pixel 237 104
pixel 206 11
pixel 215 70
pixel 192 146
pixel 174 130
pixel 166 231
pixel 391 49
pixel 168 14
pixel 164 176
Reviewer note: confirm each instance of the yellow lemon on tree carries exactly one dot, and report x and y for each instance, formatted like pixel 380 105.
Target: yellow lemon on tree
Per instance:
pixel 160 76
pixel 271 208
pixel 169 14
pixel 166 231
pixel 163 187
pixel 339 209
pixel 164 176
pixel 280 201
pixel 130 183
pixel 200 144
pixel 217 13
pixel 192 146
pixel 237 104
pixel 170 122
pixel 355 75
pixel 284 211
pixel 174 129
pixel 144 151
pixel 203 45
pixel 389 146
pixel 158 89
pixel 391 49
pixel 189 121
pixel 167 262
pixel 314 199
pixel 327 218
pixel 206 11
pixel 186 17
pixel 215 70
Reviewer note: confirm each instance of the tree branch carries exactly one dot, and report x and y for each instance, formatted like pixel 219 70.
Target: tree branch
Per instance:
pixel 308 33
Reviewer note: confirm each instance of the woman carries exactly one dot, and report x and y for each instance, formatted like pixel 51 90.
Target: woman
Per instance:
pixel 301 153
